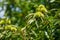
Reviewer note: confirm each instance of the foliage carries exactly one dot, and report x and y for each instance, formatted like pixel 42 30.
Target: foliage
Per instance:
pixel 30 20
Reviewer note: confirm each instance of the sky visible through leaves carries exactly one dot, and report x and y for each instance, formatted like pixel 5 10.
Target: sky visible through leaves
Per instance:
pixel 1 12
